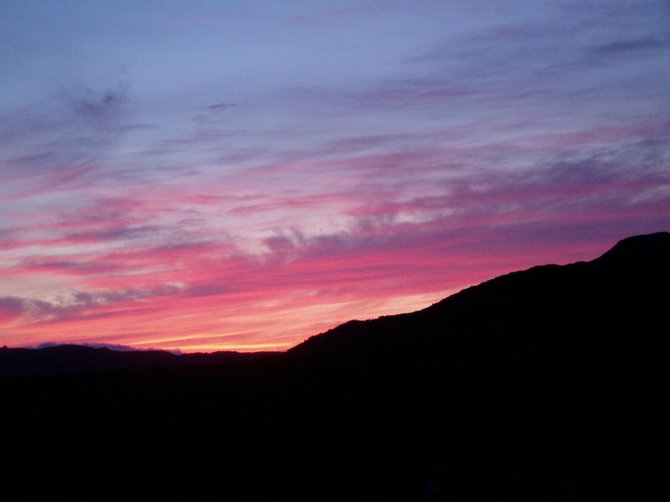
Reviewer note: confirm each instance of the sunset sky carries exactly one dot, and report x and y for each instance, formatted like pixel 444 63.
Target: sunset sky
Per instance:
pixel 240 175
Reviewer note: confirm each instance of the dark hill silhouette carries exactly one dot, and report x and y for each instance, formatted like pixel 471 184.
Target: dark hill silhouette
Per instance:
pixel 549 383
pixel 627 283
pixel 74 359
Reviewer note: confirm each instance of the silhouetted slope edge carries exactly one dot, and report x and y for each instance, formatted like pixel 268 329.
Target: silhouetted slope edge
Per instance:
pixel 626 283
pixel 639 251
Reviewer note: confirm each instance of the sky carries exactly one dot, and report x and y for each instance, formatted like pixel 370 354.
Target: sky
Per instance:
pixel 241 175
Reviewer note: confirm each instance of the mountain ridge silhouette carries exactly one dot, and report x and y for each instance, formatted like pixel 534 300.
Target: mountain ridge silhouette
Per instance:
pixel 642 251
pixel 628 256
pixel 548 383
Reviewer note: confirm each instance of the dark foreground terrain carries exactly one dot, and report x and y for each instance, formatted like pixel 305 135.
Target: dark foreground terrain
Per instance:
pixel 550 383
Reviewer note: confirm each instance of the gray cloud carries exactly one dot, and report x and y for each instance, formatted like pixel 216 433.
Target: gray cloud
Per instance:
pixel 99 107
pixel 120 233
pixel 69 266
pixel 220 106
pixel 635 45
pixel 76 304
pixel 73 128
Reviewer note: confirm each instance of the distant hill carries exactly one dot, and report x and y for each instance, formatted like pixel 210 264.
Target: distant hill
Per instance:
pixel 548 383
pixel 74 359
